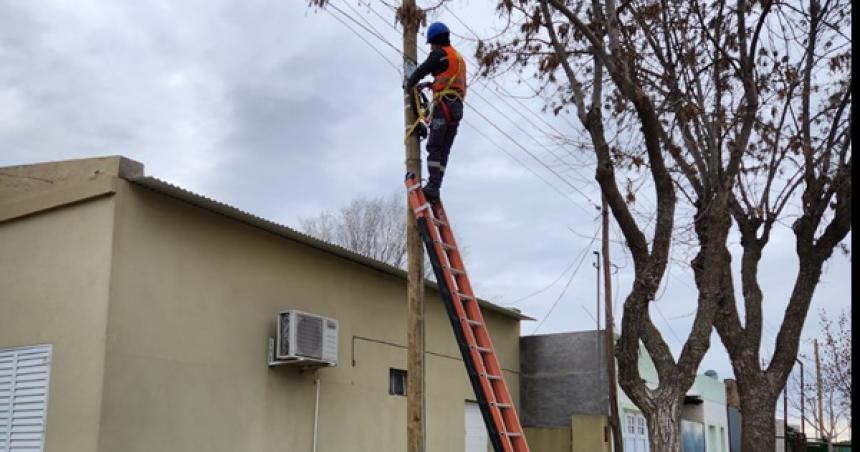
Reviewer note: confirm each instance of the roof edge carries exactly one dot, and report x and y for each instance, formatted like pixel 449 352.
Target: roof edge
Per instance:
pixel 292 234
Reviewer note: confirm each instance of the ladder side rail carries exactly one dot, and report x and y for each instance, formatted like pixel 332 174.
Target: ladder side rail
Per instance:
pixel 456 302
pixel 493 417
pixel 493 366
pixel 500 389
pixel 473 338
pixel 491 420
pixel 473 310
pixel 496 413
pixel 433 242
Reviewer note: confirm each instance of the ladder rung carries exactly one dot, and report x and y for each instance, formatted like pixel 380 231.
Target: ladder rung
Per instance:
pixel 438 222
pixel 508 430
pixel 472 322
pixel 424 206
pixel 446 246
pixel 455 271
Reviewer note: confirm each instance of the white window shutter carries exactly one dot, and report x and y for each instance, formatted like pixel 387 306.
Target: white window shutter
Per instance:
pixel 24 378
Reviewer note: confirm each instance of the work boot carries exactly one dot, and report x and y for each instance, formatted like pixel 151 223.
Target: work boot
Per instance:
pixel 431 192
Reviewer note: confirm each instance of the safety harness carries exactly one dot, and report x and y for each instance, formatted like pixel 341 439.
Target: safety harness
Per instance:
pixel 419 102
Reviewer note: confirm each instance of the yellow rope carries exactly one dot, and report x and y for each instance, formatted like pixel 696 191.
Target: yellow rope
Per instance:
pixel 421 112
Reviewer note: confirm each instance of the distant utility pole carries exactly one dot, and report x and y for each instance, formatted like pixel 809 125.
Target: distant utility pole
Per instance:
pixel 802 396
pixel 785 418
pixel 820 397
pixel 409 16
pixel 597 321
pixel 597 282
pixel 614 420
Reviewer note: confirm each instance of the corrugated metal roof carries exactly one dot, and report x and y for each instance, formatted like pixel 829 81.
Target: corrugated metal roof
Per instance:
pixel 292 234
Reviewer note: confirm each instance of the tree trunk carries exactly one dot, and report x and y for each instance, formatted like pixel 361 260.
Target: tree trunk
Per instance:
pixel 758 419
pixel 664 426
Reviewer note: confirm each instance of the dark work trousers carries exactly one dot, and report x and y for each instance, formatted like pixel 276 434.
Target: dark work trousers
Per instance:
pixel 443 129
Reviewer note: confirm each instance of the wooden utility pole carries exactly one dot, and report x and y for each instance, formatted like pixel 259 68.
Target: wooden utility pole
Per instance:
pixel 409 16
pixel 820 397
pixel 597 321
pixel 614 420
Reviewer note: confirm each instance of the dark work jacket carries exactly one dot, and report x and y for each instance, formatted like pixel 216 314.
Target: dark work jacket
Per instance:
pixel 436 63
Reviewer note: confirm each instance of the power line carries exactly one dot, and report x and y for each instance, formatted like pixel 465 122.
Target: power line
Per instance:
pixel 462 22
pixel 540 291
pixel 516 124
pixel 518 111
pixel 377 35
pixel 509 137
pixel 362 38
pixel 526 133
pixel 520 162
pixel 497 84
pixel 584 253
pixel 364 19
pixel 671 330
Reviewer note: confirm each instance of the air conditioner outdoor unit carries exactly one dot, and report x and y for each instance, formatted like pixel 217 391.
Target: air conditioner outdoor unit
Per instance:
pixel 307 339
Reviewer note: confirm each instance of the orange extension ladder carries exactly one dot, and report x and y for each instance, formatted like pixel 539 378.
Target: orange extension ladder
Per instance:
pixel 482 365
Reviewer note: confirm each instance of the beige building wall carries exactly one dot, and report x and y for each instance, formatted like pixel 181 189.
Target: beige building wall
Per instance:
pixel 588 433
pixel 585 434
pixel 54 279
pixel 194 296
pixel 548 439
pixel 159 312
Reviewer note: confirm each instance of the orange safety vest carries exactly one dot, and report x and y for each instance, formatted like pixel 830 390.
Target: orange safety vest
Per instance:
pixel 452 80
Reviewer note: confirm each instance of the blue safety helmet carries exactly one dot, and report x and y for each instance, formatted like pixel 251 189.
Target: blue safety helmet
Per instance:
pixel 436 29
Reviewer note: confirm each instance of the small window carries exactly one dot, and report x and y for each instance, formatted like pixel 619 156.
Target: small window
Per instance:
pixel 397 382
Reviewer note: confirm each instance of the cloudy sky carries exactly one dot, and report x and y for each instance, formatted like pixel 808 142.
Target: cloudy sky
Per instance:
pixel 284 112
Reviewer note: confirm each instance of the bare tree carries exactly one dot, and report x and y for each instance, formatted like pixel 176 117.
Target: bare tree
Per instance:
pixel 739 115
pixel 835 381
pixel 373 227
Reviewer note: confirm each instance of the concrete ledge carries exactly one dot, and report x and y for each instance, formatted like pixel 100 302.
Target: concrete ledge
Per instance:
pixel 51 199
pixel 29 189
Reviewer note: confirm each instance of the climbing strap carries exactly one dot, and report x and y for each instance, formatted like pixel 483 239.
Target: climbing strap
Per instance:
pixel 420 112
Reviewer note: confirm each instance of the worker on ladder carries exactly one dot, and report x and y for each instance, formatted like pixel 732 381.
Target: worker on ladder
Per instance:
pixel 449 89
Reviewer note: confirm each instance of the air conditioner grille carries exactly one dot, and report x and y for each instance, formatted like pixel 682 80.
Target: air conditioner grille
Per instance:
pixel 285 333
pixel 309 336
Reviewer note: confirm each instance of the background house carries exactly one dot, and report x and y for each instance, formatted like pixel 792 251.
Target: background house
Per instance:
pixel 705 416
pixel 135 315
pixel 564 393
